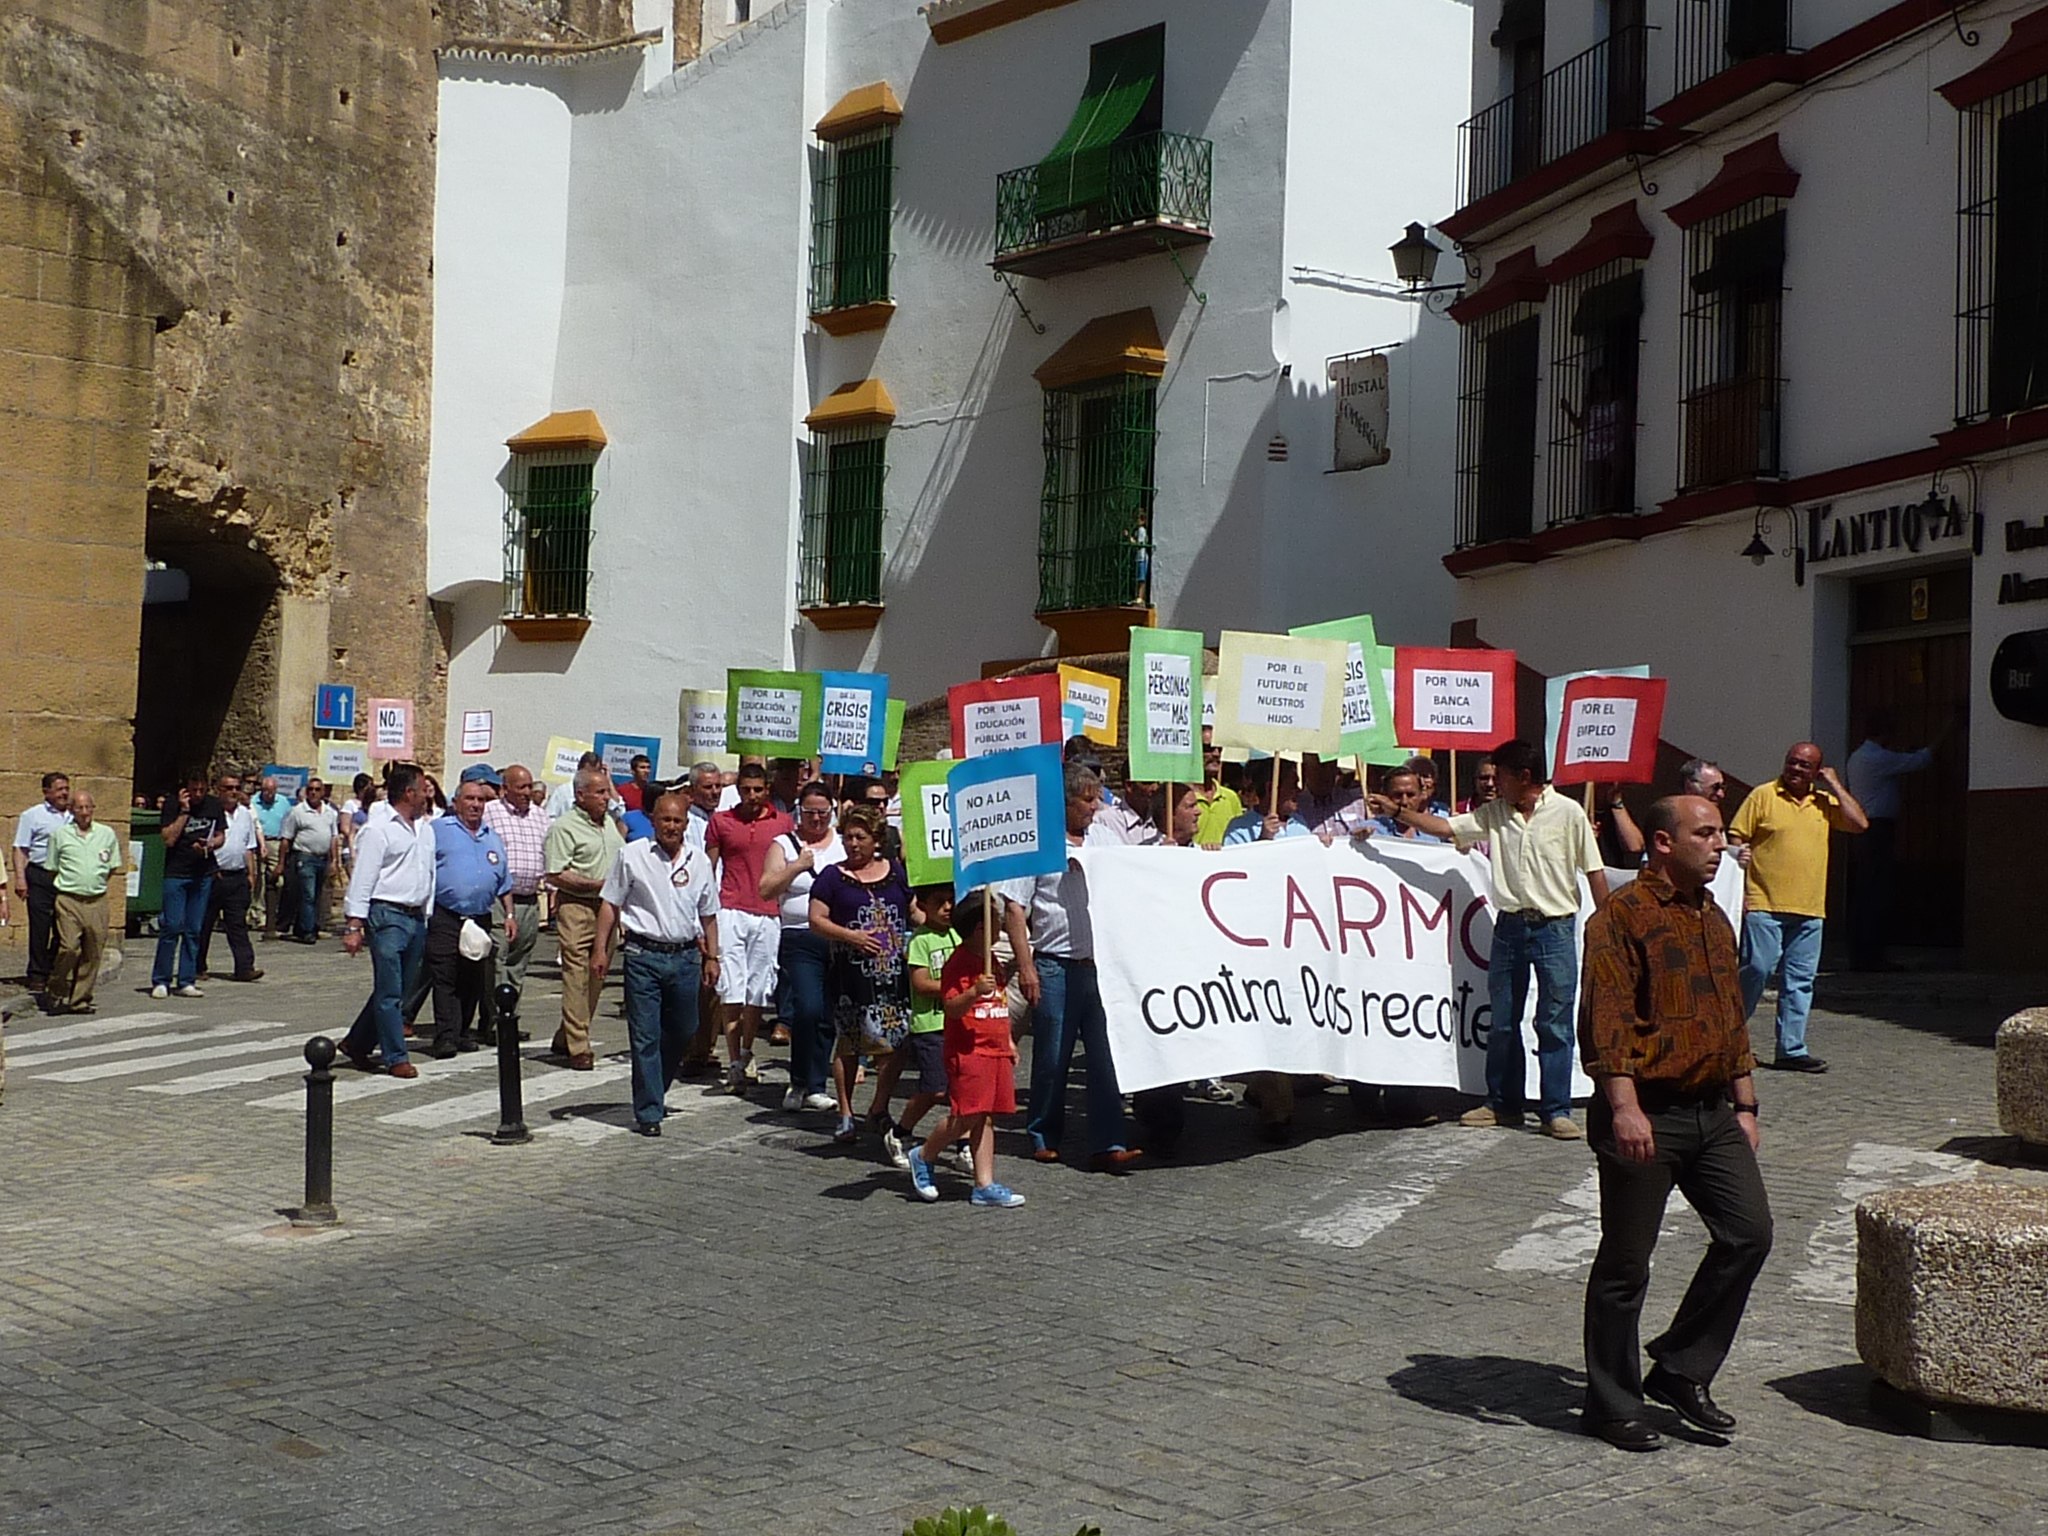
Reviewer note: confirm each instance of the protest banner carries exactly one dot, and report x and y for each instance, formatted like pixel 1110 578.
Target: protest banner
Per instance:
pixel 1073 720
pixel 1009 816
pixel 340 762
pixel 476 731
pixel 892 740
pixel 1464 700
pixel 853 722
pixel 1164 729
pixel 558 762
pixel 1553 703
pixel 927 823
pixel 619 751
pixel 1609 731
pixel 700 728
pixel 290 780
pixel 1275 693
pixel 1363 961
pixel 1392 754
pixel 1004 714
pixel 1099 696
pixel 1368 709
pixel 390 728
pixel 773 714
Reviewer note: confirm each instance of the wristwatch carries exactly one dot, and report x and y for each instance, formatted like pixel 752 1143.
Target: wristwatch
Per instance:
pixel 1749 1109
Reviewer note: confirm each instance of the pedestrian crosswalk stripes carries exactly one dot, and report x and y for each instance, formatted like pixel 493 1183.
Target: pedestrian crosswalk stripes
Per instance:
pixel 89 1030
pixel 350 1086
pixel 229 1077
pixel 473 1106
pixel 27 1056
pixel 129 1066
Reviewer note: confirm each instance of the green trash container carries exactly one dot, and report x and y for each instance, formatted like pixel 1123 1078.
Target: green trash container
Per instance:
pixel 148 901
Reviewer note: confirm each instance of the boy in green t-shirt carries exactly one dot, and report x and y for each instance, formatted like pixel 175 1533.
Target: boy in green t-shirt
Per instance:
pixel 930 947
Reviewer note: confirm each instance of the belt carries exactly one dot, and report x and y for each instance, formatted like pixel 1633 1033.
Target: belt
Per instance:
pixel 661 946
pixel 1537 919
pixel 1655 1098
pixel 399 906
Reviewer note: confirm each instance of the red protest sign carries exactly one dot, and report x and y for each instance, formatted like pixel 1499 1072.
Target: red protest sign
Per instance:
pixel 1005 713
pixel 1607 731
pixel 1464 700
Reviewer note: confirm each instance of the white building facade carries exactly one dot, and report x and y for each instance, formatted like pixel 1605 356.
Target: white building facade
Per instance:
pixel 1771 276
pixel 920 340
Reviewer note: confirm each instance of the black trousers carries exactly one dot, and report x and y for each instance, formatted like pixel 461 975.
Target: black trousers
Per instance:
pixel 460 987
pixel 229 908
pixel 42 925
pixel 1702 1150
pixel 1870 892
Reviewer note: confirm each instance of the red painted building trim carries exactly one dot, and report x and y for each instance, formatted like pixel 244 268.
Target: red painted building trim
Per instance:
pixel 2024 57
pixel 1728 87
pixel 1555 177
pixel 1753 171
pixel 1516 279
pixel 1615 235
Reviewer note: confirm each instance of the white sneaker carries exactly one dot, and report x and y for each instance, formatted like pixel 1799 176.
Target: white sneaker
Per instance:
pixel 159 991
pixel 960 1156
pixel 820 1101
pixel 186 992
pixel 897 1148
pixel 748 1067
pixel 792 1101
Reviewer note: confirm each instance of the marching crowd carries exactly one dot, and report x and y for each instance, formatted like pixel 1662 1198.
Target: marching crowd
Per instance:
pixel 768 901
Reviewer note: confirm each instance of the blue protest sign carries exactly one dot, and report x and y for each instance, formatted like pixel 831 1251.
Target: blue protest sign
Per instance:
pixel 853 735
pixel 334 707
pixel 1009 816
pixel 618 753
pixel 290 780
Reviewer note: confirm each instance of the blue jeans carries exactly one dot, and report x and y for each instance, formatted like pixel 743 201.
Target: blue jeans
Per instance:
pixel 1785 945
pixel 661 1020
pixel 804 1009
pixel 1070 1010
pixel 186 898
pixel 309 881
pixel 398 947
pixel 1550 950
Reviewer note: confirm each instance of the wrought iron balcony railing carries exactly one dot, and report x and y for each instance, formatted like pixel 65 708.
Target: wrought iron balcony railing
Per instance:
pixel 1595 92
pixel 1716 35
pixel 1154 192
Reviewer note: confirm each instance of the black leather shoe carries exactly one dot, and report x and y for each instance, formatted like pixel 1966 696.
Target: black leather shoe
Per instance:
pixel 647 1127
pixel 1688 1399
pixel 1625 1434
pixel 1799 1064
pixel 444 1052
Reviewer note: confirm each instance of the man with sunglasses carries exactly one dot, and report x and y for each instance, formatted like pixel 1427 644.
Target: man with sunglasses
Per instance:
pixel 1784 827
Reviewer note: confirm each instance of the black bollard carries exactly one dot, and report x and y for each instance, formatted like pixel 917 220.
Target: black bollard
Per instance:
pixel 511 1110
pixel 318 1211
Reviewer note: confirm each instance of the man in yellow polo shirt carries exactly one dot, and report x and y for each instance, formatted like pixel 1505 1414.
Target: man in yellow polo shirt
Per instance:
pixel 1220 804
pixel 1781 834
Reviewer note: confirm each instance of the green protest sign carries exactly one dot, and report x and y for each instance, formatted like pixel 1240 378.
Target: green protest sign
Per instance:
pixel 1368 701
pixel 773 714
pixel 1165 705
pixel 1384 753
pixel 893 738
pixel 927 823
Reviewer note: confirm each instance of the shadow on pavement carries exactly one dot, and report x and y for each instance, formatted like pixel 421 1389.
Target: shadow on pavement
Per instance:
pixel 2000 1151
pixel 1495 1389
pixel 1838 1392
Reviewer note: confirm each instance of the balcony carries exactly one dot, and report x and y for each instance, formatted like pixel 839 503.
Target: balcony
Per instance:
pixel 1597 92
pixel 1728 51
pixel 1130 198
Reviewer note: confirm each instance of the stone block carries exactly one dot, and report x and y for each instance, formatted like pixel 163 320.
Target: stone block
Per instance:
pixel 1952 1293
pixel 2023 1076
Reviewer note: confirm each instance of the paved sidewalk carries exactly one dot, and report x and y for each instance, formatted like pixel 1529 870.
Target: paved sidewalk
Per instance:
pixel 741 1328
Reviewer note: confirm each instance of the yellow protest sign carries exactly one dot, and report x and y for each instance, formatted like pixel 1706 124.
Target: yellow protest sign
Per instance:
pixel 1099 696
pixel 1277 693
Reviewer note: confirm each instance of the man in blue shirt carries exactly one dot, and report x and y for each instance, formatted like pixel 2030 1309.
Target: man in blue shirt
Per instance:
pixel 471 876
pixel 1404 788
pixel 270 807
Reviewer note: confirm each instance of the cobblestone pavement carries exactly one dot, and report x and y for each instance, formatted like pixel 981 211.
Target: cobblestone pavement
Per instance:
pixel 740 1328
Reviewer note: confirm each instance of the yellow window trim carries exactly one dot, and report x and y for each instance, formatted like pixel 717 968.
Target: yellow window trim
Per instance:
pixel 1105 348
pixel 860 111
pixel 559 432
pixel 863 403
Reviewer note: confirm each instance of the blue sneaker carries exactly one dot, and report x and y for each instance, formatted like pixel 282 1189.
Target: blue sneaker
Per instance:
pixel 995 1194
pixel 848 1133
pixel 921 1178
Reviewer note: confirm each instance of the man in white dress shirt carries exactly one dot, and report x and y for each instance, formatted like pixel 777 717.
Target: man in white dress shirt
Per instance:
pixel 34 885
pixel 1873 772
pixel 390 897
pixel 661 909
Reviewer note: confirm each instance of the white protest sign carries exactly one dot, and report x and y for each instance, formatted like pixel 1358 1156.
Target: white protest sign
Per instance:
pixel 1599 731
pixel 390 728
pixel 995 818
pixel 769 714
pixel 340 762
pixel 848 722
pixel 1000 725
pixel 1169 708
pixel 1453 700
pixel 476 730
pixel 1282 693
pixel 1208 706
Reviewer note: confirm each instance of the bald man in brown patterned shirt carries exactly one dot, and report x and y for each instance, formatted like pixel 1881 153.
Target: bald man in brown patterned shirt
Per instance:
pixel 1662 1034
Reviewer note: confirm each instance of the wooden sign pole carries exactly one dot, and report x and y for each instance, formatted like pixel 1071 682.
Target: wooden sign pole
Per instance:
pixel 1452 799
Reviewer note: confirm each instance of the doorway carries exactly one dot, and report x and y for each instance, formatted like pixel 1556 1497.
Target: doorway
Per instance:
pixel 1909 652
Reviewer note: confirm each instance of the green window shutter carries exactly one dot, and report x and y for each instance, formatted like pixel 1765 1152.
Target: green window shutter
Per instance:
pixel 843 513
pixel 1095 526
pixel 853 198
pixel 1124 77
pixel 548 566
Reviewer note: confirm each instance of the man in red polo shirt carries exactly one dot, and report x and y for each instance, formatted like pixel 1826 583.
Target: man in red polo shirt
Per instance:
pixel 749 926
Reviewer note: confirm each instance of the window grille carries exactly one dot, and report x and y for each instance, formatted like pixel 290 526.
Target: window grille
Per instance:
pixel 548 502
pixel 1547 116
pixel 1497 370
pixel 2002 255
pixel 852 200
pixel 1731 336
pixel 841 557
pixel 1095 521
pixel 1714 35
pixel 1596 342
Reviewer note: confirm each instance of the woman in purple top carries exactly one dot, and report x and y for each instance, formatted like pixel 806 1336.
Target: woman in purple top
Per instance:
pixel 862 904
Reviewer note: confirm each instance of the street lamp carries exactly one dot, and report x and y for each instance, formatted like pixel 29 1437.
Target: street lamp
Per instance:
pixel 1415 257
pixel 1758 551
